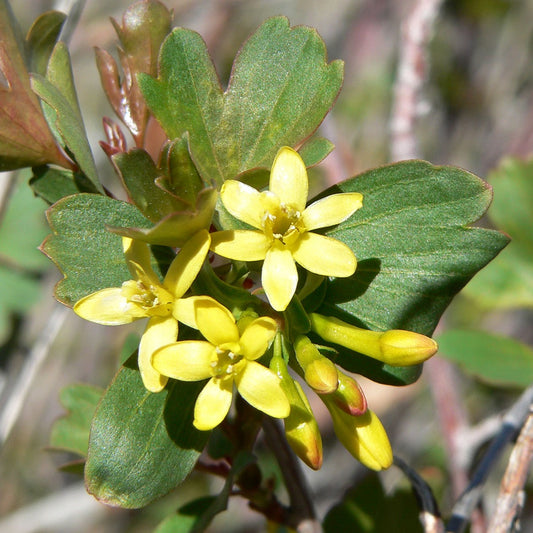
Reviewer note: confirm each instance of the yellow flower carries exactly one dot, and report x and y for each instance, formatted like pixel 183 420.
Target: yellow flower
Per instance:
pixel 228 356
pixel 146 297
pixel 284 227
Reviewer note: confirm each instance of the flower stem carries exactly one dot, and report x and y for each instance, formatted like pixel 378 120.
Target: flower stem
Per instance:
pixel 302 517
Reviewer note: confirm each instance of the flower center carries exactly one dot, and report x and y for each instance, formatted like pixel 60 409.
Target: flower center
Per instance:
pixel 154 300
pixel 226 362
pixel 282 222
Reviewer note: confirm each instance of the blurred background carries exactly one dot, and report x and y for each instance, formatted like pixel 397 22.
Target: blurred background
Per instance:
pixel 476 107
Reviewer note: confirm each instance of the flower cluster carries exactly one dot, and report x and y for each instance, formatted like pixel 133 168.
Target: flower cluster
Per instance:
pixel 249 349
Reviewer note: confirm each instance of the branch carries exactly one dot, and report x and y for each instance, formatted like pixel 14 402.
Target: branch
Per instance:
pixel 511 498
pixel 302 510
pixel 512 421
pixel 429 511
pixel 412 71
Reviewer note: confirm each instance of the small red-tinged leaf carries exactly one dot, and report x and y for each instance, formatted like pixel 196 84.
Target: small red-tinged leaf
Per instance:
pixel 25 139
pixel 144 26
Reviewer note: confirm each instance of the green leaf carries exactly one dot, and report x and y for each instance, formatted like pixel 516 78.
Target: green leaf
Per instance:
pixel 62 110
pixel 42 38
pixel 195 516
pixel 413 246
pixel 89 256
pixel 23 228
pixel 280 90
pixel 495 359
pixel 139 173
pixel 142 445
pixel 25 139
pixel 315 150
pixel 366 509
pixel 52 184
pixel 71 432
pixel 508 280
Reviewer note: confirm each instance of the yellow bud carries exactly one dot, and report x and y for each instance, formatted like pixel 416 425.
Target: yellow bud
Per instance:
pixel 401 347
pixel 319 372
pixel 301 428
pixel 395 347
pixel 349 396
pixel 363 436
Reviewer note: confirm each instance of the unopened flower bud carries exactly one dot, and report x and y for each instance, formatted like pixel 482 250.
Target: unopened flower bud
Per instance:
pixel 301 428
pixel 363 436
pixel 349 396
pixel 319 372
pixel 395 347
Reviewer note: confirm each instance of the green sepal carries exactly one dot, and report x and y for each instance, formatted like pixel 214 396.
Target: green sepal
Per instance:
pixel 142 444
pixel 280 89
pixel 71 432
pixel 90 257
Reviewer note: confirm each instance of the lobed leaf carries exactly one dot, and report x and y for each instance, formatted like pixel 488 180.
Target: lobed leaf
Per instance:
pixel 89 256
pixel 71 431
pixel 142 445
pixel 414 248
pixel 280 89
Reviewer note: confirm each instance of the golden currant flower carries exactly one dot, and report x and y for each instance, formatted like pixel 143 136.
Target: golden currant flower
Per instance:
pixel 227 357
pixel 145 296
pixel 284 228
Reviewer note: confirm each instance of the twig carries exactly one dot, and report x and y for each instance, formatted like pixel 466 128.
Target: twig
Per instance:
pixel 511 497
pixel 450 412
pixel 412 71
pixel 7 182
pixel 301 502
pixel 429 511
pixel 73 9
pixel 36 357
pixel 512 421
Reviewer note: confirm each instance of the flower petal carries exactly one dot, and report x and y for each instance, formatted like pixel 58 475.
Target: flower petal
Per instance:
pixel 159 332
pixel 261 388
pixel 108 307
pixel 213 403
pixel 331 210
pixel 185 267
pixel 138 258
pixel 257 336
pixel 215 322
pixel 185 312
pixel 279 276
pixel 288 178
pixel 241 245
pixel 243 202
pixel 325 256
pixel 184 360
